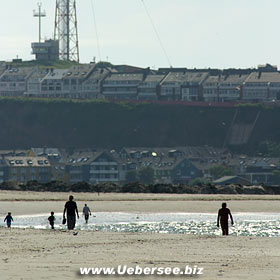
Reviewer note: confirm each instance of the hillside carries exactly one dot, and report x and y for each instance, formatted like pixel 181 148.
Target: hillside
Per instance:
pixel 60 123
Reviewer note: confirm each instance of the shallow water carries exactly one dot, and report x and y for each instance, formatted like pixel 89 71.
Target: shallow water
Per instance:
pixel 246 224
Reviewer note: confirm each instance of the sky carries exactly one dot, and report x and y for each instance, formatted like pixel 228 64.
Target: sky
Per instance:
pixel 189 33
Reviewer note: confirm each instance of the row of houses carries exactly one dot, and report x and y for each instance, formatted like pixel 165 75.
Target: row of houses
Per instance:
pixel 179 165
pixel 129 83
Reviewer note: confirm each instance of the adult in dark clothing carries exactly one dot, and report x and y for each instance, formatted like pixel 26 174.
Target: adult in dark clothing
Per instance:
pixel 223 215
pixel 71 209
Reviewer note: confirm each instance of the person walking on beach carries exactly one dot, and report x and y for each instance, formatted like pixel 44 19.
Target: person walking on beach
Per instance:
pixel 51 219
pixel 8 219
pixel 71 209
pixel 86 212
pixel 223 215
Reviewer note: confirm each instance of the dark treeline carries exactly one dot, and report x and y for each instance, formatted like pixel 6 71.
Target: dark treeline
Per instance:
pixel 139 188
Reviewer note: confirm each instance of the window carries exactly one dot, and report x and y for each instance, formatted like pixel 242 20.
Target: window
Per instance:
pixel 13 171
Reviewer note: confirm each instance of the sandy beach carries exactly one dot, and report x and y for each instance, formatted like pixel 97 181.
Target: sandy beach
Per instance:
pixel 59 254
pixel 22 203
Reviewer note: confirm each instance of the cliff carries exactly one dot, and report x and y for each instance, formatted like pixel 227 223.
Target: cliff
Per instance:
pixel 29 123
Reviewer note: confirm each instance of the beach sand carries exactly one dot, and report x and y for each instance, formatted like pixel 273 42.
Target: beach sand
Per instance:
pixel 22 203
pixel 47 254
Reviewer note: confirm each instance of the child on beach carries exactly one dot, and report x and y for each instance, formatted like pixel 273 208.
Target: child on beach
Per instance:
pixel 51 219
pixel 9 219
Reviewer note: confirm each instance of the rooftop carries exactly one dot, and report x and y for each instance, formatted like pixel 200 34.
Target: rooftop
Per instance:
pixel 27 161
pixel 263 77
pixel 79 71
pixel 153 78
pixel 226 79
pixel 98 73
pixel 125 77
pixel 55 74
pixel 185 77
pixel 21 72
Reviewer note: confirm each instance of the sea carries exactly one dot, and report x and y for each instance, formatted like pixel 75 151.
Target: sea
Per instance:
pixel 245 224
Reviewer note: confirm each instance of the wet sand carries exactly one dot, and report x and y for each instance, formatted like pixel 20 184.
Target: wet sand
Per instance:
pixel 47 254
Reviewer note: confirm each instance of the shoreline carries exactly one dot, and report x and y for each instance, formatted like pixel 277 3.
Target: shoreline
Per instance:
pixel 27 203
pixel 62 196
pixel 59 254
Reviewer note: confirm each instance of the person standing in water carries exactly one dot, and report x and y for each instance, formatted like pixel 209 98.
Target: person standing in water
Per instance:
pixel 223 215
pixel 86 212
pixel 9 219
pixel 51 219
pixel 71 209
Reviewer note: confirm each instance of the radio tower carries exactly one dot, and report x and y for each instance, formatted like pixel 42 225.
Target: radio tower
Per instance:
pixel 65 29
pixel 39 14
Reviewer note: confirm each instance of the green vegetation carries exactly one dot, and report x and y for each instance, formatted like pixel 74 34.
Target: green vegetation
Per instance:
pixel 144 175
pixel 251 105
pixel 199 182
pixel 218 171
pixel 269 149
pixel 54 186
pixel 131 176
pixel 34 122
pixel 59 64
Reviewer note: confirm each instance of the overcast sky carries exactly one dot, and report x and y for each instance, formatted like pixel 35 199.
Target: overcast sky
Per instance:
pixel 194 33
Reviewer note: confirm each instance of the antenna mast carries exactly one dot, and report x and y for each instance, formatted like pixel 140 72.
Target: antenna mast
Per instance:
pixel 39 14
pixel 66 30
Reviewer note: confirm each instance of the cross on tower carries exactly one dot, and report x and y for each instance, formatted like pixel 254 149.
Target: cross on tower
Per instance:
pixel 39 14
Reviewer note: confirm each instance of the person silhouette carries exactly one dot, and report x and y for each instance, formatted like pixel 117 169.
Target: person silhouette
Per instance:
pixel 71 209
pixel 223 214
pixel 51 219
pixel 86 212
pixel 9 219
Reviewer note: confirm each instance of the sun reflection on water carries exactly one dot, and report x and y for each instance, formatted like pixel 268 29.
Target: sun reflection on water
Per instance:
pixel 246 224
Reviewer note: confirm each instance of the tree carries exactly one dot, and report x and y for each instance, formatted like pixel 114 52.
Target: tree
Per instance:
pixel 146 175
pixel 270 149
pixel 131 176
pixel 275 178
pixel 218 171
pixel 199 181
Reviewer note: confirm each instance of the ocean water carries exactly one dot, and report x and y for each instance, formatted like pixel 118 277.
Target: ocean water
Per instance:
pixel 246 224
